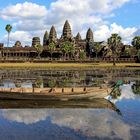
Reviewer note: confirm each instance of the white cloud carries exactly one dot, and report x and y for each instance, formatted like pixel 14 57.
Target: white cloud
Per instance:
pixel 105 31
pixel 31 17
pixel 25 37
pixel 90 122
pixel 30 25
pixel 26 10
pixel 127 94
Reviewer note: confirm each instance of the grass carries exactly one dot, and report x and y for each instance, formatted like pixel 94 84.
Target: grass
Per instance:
pixel 67 65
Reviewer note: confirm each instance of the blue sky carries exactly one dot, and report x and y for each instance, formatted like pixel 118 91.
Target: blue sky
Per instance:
pixel 33 17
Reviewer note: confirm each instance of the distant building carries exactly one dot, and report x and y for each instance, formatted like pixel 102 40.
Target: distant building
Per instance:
pixel 86 45
pixel 80 44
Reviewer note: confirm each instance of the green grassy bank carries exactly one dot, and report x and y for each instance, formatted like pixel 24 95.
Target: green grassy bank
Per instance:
pixel 68 65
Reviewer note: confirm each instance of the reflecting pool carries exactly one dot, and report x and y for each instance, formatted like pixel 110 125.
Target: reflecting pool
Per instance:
pixel 74 120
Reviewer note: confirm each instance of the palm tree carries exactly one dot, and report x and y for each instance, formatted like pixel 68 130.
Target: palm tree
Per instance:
pixel 67 47
pixel 39 49
pixel 97 48
pixel 82 55
pixel 51 48
pixel 136 42
pixel 114 42
pixel 8 28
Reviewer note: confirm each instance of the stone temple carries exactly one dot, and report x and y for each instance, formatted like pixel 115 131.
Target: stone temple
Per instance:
pixel 29 51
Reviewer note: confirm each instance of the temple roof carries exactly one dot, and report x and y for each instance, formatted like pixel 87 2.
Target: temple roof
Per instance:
pixel 52 34
pixel 46 35
pixel 45 38
pixel 78 36
pixel 89 35
pixel 67 30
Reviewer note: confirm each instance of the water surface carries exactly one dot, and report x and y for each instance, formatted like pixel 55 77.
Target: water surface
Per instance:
pixel 74 123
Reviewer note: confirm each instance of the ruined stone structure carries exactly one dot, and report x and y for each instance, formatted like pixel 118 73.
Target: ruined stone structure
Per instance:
pixel 45 38
pixel 35 41
pixel 89 36
pixel 67 33
pixel 80 44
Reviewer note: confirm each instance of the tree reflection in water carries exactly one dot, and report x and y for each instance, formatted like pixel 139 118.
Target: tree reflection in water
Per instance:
pixel 69 78
pixel 136 87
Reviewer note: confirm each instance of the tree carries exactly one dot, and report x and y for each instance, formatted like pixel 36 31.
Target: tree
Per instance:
pixel 97 48
pixel 82 55
pixel 136 87
pixel 67 47
pixel 39 49
pixel 51 48
pixel 136 42
pixel 8 28
pixel 52 83
pixel 138 54
pixel 38 83
pixel 127 52
pixel 114 42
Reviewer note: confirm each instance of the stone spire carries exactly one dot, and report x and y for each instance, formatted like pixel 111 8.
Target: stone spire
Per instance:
pixel 53 35
pixel 17 44
pixel 67 30
pixel 45 38
pixel 89 36
pixel 78 36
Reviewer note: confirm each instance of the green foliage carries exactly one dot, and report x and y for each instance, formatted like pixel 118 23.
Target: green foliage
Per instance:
pixel 114 42
pixel 97 48
pixel 116 93
pixel 64 82
pixel 136 42
pixel 51 47
pixel 8 28
pixel 38 83
pixel 39 49
pixel 82 55
pixel 127 51
pixel 67 47
pixel 52 83
pixel 136 87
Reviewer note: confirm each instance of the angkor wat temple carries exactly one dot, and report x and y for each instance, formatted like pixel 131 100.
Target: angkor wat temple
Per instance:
pixel 80 44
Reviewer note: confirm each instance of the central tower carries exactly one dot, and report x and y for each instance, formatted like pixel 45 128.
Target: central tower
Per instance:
pixel 67 33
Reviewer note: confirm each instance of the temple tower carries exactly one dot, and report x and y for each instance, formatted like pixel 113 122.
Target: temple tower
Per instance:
pixel 45 38
pixel 89 36
pixel 53 35
pixel 35 41
pixel 67 33
pixel 78 37
pixel 17 44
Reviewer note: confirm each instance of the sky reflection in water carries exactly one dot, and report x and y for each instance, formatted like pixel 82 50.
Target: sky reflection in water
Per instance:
pixel 73 124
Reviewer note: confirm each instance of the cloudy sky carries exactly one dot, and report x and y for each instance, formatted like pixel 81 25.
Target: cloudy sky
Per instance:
pixel 33 17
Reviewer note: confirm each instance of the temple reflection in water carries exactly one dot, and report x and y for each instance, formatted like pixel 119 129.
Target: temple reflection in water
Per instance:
pixel 66 78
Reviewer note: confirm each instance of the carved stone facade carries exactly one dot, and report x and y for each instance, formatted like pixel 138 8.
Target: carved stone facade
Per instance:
pixel 52 35
pixel 45 38
pixel 79 43
pixel 35 41
pixel 89 36
pixel 67 33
